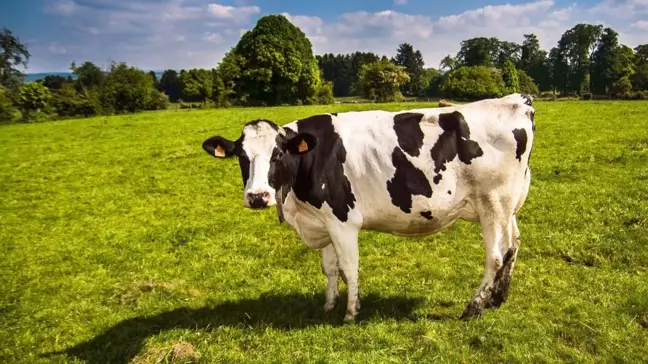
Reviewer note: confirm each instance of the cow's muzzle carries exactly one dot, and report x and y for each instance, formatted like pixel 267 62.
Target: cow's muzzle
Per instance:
pixel 258 200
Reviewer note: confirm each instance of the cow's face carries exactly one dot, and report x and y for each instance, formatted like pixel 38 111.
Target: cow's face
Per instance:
pixel 267 158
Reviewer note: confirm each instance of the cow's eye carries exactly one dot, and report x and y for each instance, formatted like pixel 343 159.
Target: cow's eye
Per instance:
pixel 277 157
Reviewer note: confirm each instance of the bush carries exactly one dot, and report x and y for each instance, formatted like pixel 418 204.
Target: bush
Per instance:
pixel 67 102
pixel 527 84
pixel 472 83
pixel 7 109
pixel 324 94
pixel 127 89
pixel 586 96
pixel 621 87
pixel 158 101
pixel 33 99
pixel 381 81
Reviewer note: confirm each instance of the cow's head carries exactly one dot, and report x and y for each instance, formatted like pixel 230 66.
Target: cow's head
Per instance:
pixel 267 155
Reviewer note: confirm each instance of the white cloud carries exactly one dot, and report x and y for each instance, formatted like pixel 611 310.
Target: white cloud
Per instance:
pixel 310 25
pixel 620 9
pixel 400 2
pixel 237 14
pixel 56 48
pixel 641 25
pixel 182 33
pixel 213 37
pixel 62 7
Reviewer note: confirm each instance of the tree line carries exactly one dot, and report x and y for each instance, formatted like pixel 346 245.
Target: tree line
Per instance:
pixel 273 64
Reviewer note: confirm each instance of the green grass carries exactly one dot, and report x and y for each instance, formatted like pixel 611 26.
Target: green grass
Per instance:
pixel 122 240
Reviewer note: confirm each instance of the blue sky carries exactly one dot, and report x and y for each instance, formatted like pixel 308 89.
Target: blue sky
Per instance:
pixel 196 33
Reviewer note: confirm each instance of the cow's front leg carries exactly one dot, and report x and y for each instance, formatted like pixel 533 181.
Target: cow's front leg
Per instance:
pixel 331 270
pixel 345 243
pixel 495 229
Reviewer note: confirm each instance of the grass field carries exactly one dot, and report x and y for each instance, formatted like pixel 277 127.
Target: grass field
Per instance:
pixel 121 240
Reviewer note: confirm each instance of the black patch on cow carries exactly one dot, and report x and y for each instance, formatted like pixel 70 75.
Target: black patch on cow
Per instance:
pixel 520 136
pixel 409 133
pixel 454 141
pixel 255 123
pixel 427 215
pixel 322 166
pixel 407 182
pixel 533 120
pixel 244 163
pixel 527 100
pixel 334 113
pixel 449 192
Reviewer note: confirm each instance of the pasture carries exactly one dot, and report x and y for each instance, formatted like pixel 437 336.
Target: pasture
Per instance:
pixel 122 240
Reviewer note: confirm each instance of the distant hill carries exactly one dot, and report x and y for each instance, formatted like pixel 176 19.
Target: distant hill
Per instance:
pixel 31 77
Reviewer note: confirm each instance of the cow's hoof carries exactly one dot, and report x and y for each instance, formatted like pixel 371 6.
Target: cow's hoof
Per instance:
pixel 329 306
pixel 474 309
pixel 349 319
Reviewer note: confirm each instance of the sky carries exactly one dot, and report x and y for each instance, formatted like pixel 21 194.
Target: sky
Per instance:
pixel 156 35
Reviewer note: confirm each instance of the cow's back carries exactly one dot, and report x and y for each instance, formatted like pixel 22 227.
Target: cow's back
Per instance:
pixel 416 171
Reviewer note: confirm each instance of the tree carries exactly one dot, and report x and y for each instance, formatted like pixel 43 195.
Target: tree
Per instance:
pixel 89 76
pixel 473 83
pixel 12 54
pixel 278 63
pixel 510 77
pixel 55 82
pixel 127 89
pixel 381 81
pixel 431 81
pixel 169 85
pixel 483 51
pixel 602 73
pixel 576 46
pixel 640 78
pixel 33 97
pixel 196 85
pixel 412 60
pixel 533 61
pixel 156 83
pixel 449 63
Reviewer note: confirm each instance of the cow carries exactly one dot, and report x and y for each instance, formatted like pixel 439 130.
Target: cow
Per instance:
pixel 407 173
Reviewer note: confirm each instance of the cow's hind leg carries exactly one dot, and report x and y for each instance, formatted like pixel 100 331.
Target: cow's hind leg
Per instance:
pixel 495 230
pixel 331 270
pixel 503 276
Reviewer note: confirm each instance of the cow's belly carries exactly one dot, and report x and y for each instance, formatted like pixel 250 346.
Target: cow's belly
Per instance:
pixel 397 222
pixel 307 222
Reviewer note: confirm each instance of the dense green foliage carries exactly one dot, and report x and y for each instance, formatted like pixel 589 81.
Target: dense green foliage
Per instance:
pixel 343 70
pixel 412 61
pixel 277 64
pixel 471 83
pixel 273 64
pixel 380 81
pixel 121 239
pixel 32 99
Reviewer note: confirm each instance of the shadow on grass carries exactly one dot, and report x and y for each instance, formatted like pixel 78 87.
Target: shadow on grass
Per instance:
pixel 123 341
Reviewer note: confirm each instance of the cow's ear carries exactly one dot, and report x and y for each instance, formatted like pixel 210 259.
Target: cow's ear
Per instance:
pixel 219 147
pixel 301 143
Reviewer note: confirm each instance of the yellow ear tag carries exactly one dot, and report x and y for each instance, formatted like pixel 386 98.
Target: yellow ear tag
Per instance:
pixel 219 152
pixel 302 146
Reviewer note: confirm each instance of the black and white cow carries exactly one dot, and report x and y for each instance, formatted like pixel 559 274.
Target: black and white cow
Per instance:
pixel 406 173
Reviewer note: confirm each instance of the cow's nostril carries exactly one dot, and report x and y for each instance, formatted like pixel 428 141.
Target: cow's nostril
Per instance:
pixel 266 195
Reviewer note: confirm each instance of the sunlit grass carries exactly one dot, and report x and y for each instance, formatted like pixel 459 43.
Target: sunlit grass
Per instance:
pixel 121 239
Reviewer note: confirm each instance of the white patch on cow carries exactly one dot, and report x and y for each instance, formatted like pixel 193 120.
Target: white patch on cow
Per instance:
pixel 258 144
pixel 323 185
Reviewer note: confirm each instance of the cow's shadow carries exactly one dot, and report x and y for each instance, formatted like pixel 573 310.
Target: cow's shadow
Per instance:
pixel 123 341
